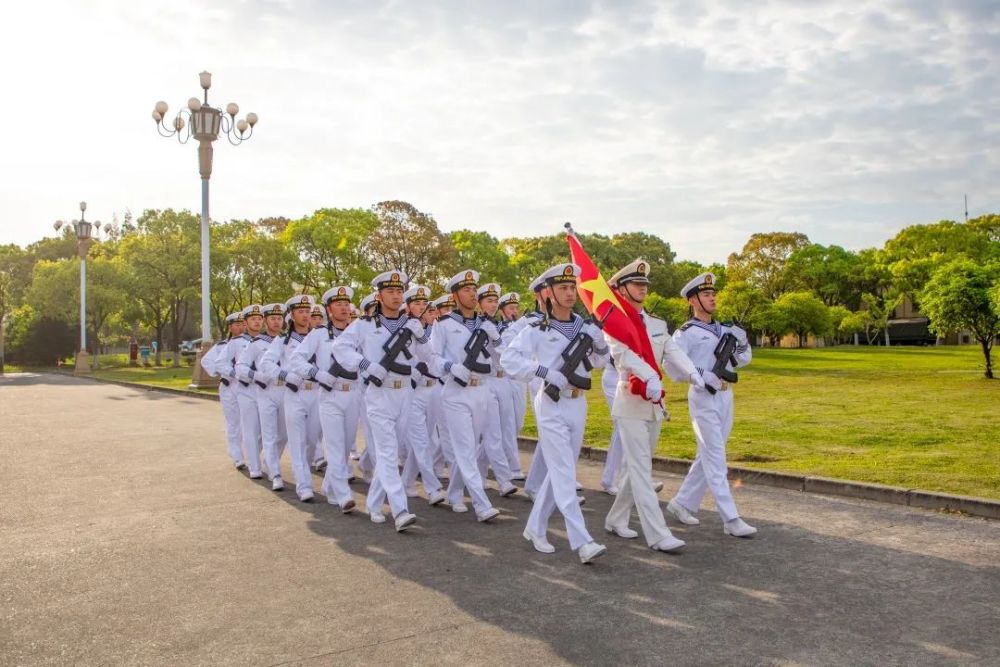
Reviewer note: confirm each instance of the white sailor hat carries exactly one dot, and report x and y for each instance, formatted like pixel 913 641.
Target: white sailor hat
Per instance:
pixel 367 301
pixel 702 283
pixel 636 272
pixel 252 309
pixel 391 278
pixel 299 301
pixel 317 310
pixel 488 289
pixel 463 279
pixel 510 298
pixel 274 309
pixel 537 284
pixel 561 273
pixel 446 300
pixel 417 293
pixel 338 293
pixel 233 318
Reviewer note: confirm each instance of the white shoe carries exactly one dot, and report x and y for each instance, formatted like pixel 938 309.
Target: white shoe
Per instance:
pixel 277 484
pixel 488 515
pixel 320 464
pixel 404 521
pixel 348 507
pixel 579 487
pixel 459 508
pixel 626 532
pixel 738 528
pixel 581 500
pixel 518 477
pixel 591 550
pixel 507 490
pixel 411 492
pixel 610 490
pixel 657 487
pixel 354 456
pixel 377 517
pixel 437 498
pixel 669 544
pixel 530 494
pixel 239 465
pixel 682 513
pixel 540 543
pixel 256 475
pixel 306 496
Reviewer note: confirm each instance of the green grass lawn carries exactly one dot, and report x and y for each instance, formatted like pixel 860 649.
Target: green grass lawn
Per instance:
pixel 115 367
pixel 912 417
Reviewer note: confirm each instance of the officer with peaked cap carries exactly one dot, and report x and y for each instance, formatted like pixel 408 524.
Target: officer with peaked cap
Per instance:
pixel 364 347
pixel 301 408
pixel 214 364
pixel 537 351
pixel 464 394
pixel 499 409
pixel 419 456
pixel 509 309
pixel 637 419
pixel 268 396
pixel 711 413
pixel 339 400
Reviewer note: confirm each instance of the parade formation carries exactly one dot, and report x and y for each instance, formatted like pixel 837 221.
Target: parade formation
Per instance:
pixel 438 388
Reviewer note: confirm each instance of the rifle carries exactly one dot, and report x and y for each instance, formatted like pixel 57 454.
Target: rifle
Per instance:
pixel 577 352
pixel 338 371
pixel 724 355
pixel 397 344
pixel 476 345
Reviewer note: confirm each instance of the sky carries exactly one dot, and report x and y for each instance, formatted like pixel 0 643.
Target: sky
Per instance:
pixel 698 122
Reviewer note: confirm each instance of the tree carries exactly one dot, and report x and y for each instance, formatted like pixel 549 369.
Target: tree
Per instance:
pixel 163 257
pixel 762 261
pixel 740 302
pixel 15 276
pixel 880 309
pixel 854 323
pixel 837 316
pixel 674 309
pixel 330 246
pixel 829 272
pixel 961 295
pixel 483 252
pixel 803 314
pixel 409 240
pixel 37 340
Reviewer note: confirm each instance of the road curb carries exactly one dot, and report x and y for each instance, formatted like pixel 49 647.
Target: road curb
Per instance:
pixel 894 495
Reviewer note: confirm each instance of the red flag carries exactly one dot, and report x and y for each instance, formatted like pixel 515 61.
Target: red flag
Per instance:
pixel 621 320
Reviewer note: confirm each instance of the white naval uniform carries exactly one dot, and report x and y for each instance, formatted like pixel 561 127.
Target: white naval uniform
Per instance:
pixel 499 423
pixel 270 419
pixel 510 394
pixel 419 451
pixel 638 424
pixel 534 351
pixel 211 362
pixel 613 460
pixel 301 409
pixel 711 417
pixel 537 469
pixel 339 408
pixel 464 408
pixel 249 418
pixel 387 406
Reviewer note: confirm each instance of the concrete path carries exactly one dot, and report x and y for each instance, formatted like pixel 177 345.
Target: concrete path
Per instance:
pixel 127 538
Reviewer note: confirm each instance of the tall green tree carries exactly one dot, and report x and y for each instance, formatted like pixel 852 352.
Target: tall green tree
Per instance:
pixel 330 246
pixel 482 252
pixel 960 295
pixel 829 272
pixel 802 313
pixel 761 262
pixel 409 240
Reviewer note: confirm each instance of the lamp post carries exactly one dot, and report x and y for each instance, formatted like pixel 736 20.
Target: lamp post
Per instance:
pixel 204 123
pixel 84 237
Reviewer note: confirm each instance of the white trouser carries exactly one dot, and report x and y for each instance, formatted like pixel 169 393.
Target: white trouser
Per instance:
pixel 498 411
pixel 366 462
pixel 444 453
pixel 560 436
pixel 464 412
pixel 712 419
pixel 231 414
pixel 339 412
pixel 388 412
pixel 271 407
pixel 638 442
pixel 509 426
pixel 246 397
pixel 537 469
pixel 420 455
pixel 302 424
pixel 613 461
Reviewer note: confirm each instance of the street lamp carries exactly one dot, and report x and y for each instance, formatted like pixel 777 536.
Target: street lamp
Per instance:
pixel 204 123
pixel 84 234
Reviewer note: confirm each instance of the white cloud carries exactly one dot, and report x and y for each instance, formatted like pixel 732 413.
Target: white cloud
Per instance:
pixel 700 122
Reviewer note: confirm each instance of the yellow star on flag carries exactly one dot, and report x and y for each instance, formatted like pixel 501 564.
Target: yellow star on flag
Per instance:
pixel 600 293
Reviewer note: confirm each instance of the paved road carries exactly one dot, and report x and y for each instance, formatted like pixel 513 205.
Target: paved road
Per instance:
pixel 127 538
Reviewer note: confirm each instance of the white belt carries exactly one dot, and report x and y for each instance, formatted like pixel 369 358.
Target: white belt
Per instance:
pixel 500 374
pixel 396 383
pixel 571 392
pixel 342 386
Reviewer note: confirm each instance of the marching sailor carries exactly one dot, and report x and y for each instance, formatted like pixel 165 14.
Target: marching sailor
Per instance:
pixel 300 399
pixel 419 452
pixel 461 344
pixel 509 306
pixel 638 419
pixel 711 409
pixel 213 363
pixel 538 351
pixel 340 396
pixel 382 347
pixel 266 396
pixel 366 461
pixel 246 396
pixel 499 408
pixel 443 453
